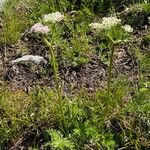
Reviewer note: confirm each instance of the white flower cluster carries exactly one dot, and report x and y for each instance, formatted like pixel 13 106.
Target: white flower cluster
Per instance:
pixel 53 17
pixel 110 21
pixel 107 23
pixel 127 28
pixel 96 26
pixel 40 28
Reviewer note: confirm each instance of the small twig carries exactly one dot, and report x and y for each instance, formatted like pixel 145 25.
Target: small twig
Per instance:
pixel 122 148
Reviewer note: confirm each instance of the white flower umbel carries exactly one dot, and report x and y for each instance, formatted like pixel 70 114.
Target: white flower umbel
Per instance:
pixel 96 26
pixel 107 23
pixel 53 17
pixel 127 28
pixel 36 59
pixel 40 28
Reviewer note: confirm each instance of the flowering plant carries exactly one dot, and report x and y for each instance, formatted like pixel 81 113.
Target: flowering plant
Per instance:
pixel 114 33
pixel 44 30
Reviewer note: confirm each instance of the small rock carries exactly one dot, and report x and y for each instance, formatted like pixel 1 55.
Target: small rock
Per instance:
pixel 35 59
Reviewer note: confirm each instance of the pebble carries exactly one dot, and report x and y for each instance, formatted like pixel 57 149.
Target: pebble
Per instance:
pixel 29 58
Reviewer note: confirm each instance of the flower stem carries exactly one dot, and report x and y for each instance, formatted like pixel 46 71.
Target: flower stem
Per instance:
pixel 56 77
pixel 112 49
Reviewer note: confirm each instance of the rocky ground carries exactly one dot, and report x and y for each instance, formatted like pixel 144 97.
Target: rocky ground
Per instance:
pixel 90 76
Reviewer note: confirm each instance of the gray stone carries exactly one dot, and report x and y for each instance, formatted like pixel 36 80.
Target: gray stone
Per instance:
pixel 29 58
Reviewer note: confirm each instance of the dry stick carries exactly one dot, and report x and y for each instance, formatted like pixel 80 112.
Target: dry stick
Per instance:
pixel 56 76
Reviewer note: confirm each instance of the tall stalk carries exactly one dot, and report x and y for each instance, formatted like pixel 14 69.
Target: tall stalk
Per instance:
pixel 56 77
pixel 112 49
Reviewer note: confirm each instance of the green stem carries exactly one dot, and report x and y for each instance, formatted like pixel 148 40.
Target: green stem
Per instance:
pixel 112 49
pixel 56 77
pixel 55 67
